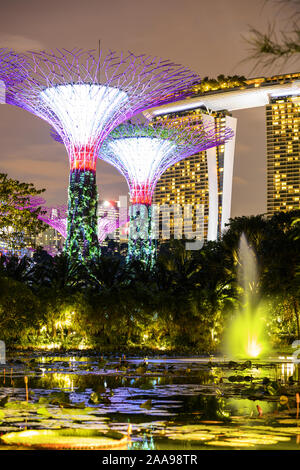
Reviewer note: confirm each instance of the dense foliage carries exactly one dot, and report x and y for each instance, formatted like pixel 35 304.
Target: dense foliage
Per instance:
pixel 183 303
pixel 16 222
pixel 221 82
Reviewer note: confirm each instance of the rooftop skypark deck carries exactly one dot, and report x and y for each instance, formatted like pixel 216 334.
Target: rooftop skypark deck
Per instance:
pixel 233 93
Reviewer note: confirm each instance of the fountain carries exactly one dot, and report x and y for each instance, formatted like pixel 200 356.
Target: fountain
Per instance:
pixel 246 335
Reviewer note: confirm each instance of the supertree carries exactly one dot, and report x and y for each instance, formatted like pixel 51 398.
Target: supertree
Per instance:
pixel 56 217
pixel 11 71
pixel 142 153
pixel 84 97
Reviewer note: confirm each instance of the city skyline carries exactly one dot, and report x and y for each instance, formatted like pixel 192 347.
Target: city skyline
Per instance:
pixel 28 152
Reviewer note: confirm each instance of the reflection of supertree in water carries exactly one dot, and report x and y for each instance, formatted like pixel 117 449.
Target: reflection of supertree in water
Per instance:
pixel 142 153
pixel 84 97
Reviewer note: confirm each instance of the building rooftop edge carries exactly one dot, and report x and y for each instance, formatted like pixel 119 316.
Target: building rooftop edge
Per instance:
pixel 253 93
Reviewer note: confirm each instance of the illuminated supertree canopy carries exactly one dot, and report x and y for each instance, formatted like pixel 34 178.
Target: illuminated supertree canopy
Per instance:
pixel 56 217
pixel 11 70
pixel 84 97
pixel 142 153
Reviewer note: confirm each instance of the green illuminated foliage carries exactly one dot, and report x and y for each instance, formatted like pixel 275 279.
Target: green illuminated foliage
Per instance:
pixel 18 225
pixel 141 246
pixel 82 238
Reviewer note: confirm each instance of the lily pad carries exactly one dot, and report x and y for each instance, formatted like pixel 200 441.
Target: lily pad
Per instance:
pixel 67 439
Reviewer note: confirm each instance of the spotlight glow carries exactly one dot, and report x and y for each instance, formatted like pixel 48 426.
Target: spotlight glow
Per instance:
pixel 254 348
pixel 142 158
pixel 83 110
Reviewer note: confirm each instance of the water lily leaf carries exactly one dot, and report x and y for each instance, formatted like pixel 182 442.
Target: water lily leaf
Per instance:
pixel 20 405
pixel 147 405
pixel 43 411
pixel 283 400
pixel 194 436
pixel 66 439
pixel 141 370
pixel 3 401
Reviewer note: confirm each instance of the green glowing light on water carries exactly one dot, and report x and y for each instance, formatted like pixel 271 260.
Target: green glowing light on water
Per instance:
pixel 247 336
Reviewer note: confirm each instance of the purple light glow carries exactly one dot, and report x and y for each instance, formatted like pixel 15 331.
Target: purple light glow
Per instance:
pixel 11 69
pixel 84 96
pixel 56 217
pixel 142 153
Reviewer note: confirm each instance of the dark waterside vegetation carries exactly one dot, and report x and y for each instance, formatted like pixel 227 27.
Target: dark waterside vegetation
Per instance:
pixel 182 305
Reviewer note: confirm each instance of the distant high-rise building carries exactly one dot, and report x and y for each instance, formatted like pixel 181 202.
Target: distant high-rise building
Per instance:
pixel 206 178
pixel 283 154
pixel 50 240
pixel 108 227
pixel 199 180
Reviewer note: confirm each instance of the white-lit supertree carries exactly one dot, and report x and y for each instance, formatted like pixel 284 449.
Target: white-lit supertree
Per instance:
pixel 84 97
pixel 142 153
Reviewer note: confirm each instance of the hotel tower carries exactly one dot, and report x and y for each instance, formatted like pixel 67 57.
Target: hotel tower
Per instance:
pixel 206 178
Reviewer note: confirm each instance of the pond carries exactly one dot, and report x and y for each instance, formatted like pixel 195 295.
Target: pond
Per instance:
pixel 166 402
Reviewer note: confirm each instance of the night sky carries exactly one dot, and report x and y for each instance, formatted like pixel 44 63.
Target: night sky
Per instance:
pixel 202 35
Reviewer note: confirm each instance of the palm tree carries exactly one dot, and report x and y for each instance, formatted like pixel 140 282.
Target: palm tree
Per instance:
pixel 16 268
pixel 281 253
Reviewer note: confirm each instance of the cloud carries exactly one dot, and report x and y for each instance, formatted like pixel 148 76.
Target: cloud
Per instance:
pixel 20 43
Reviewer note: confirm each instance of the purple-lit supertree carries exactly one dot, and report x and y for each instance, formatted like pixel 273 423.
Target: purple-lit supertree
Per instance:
pixel 56 217
pixel 142 153
pixel 84 97
pixel 11 72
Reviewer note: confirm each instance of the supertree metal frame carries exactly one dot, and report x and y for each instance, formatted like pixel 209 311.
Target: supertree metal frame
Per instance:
pixel 11 71
pixel 142 153
pixel 84 97
pixel 56 217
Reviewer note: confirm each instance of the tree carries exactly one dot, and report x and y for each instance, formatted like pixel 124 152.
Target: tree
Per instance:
pixel 19 309
pixel 270 47
pixel 281 252
pixel 16 221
